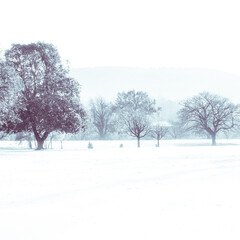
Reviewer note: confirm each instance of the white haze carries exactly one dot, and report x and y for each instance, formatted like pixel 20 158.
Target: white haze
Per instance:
pixel 133 33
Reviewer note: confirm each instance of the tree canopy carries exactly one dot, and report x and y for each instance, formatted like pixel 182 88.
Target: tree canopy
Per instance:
pixel 48 99
pixel 134 109
pixel 209 113
pixel 8 95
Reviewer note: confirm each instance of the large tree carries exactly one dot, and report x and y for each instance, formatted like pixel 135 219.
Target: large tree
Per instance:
pixel 48 98
pixel 208 113
pixel 134 109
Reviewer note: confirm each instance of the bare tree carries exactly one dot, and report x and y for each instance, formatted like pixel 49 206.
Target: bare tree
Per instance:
pixel 176 130
pixel 159 128
pixel 158 132
pixel 209 113
pixel 133 109
pixel 101 115
pixel 138 126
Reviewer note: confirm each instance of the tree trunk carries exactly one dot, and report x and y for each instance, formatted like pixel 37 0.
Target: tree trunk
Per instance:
pixel 40 140
pixel 30 143
pixel 214 139
pixel 40 143
pixel 158 142
pixel 138 139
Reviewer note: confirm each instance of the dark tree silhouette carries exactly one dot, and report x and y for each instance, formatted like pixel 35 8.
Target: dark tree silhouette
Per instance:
pixel 138 126
pixel 209 113
pixel 48 98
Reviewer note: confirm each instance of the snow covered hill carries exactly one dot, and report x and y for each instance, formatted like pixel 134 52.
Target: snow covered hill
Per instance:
pixel 169 83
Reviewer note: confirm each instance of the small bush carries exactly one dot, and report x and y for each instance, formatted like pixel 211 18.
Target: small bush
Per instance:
pixel 90 145
pixel 121 145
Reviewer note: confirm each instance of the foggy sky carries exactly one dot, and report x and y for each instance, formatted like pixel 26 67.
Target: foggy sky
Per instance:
pixel 134 33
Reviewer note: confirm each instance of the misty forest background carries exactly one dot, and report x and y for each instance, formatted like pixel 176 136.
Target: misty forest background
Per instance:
pixel 126 103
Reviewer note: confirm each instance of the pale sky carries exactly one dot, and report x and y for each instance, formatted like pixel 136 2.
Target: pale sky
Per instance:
pixel 135 33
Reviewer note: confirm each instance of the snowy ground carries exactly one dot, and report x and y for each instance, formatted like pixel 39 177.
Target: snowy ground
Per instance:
pixel 182 190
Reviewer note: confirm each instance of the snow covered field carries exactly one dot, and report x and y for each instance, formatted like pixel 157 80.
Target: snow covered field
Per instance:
pixel 182 190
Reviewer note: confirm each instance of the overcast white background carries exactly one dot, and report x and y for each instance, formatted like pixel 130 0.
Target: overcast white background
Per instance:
pixel 172 33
